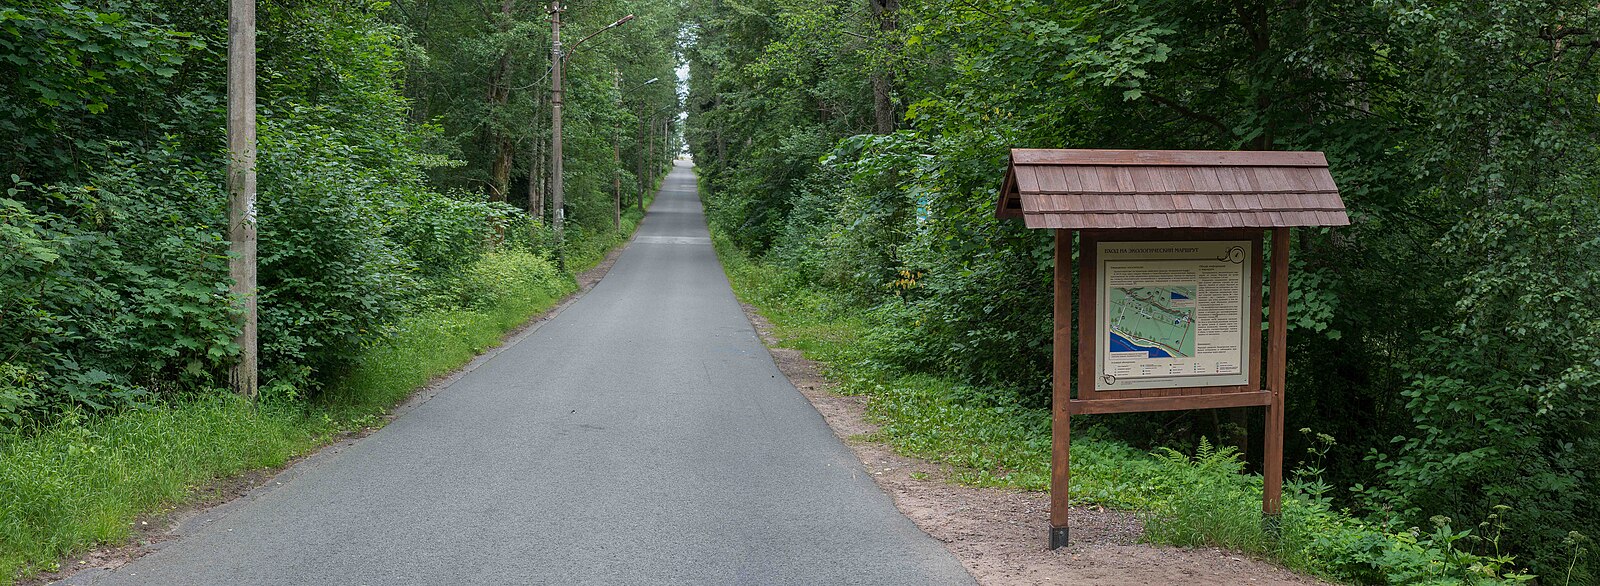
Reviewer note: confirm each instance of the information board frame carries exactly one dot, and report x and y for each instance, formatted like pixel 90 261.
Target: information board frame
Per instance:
pixel 1091 338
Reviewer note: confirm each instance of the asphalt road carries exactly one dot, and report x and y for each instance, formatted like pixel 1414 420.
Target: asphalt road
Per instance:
pixel 643 435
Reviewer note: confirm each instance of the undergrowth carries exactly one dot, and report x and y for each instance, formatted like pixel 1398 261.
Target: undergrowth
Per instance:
pixel 1200 499
pixel 86 479
pixel 81 481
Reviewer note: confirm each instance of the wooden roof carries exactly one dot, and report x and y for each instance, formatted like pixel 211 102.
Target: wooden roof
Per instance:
pixel 1103 189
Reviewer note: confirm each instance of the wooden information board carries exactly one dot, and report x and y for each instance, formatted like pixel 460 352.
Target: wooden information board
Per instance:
pixel 1171 251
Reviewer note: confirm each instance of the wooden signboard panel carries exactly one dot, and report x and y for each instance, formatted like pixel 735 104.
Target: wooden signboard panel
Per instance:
pixel 1092 339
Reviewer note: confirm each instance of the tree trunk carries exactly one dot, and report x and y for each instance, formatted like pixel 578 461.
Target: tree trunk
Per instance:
pixel 499 94
pixel 501 171
pixel 883 110
pixel 535 194
pixel 642 162
pixel 616 184
pixel 537 186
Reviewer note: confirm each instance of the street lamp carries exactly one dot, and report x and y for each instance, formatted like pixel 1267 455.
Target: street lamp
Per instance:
pixel 651 80
pixel 557 57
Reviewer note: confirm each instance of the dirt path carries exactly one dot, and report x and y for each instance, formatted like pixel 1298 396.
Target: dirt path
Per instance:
pixel 999 534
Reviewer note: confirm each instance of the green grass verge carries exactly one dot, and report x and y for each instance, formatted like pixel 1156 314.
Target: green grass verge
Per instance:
pixel 1185 499
pixel 85 480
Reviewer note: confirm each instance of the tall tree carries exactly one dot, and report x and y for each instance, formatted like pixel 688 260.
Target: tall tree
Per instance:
pixel 883 110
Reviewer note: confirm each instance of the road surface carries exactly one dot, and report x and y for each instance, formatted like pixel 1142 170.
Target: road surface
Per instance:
pixel 642 436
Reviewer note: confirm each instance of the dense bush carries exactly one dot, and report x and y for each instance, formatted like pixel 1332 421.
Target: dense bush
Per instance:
pixel 113 290
pixel 384 260
pixel 1199 498
pixel 1446 338
pixel 113 267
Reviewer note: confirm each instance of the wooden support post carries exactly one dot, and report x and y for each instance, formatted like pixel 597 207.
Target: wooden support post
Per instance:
pixel 242 188
pixel 1060 391
pixel 1277 345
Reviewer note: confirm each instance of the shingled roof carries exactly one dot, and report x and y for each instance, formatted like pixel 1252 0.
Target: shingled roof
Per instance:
pixel 1102 189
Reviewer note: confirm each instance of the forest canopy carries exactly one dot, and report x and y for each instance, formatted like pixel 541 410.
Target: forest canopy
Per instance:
pixel 399 144
pixel 1448 340
pixel 1445 347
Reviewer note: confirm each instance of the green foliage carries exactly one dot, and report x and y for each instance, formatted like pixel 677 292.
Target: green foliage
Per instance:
pixel 1199 499
pixel 101 320
pixel 83 479
pixel 1446 337
pixel 443 233
pixel 113 285
pixel 482 74
pixel 329 274
pixel 497 293
pixel 19 394
pixel 378 269
pixel 67 65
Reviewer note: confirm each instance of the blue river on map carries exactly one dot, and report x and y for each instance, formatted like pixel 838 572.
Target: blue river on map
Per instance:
pixel 1121 344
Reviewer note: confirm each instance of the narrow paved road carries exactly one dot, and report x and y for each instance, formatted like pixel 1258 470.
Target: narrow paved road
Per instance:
pixel 642 436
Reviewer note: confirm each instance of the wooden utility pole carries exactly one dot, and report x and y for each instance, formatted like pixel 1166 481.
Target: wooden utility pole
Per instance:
pixel 556 57
pixel 242 377
pixel 557 213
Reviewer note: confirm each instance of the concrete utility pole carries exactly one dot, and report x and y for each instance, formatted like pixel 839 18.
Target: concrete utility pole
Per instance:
pixel 242 188
pixel 557 213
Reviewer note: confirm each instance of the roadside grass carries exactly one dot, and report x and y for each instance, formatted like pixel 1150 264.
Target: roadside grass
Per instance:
pixel 1200 499
pixel 436 342
pixel 86 479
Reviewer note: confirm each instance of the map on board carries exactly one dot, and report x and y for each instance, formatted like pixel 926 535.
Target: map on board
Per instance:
pixel 1173 314
pixel 1157 320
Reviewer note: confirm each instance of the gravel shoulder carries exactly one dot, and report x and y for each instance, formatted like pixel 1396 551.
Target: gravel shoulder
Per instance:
pixel 999 534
